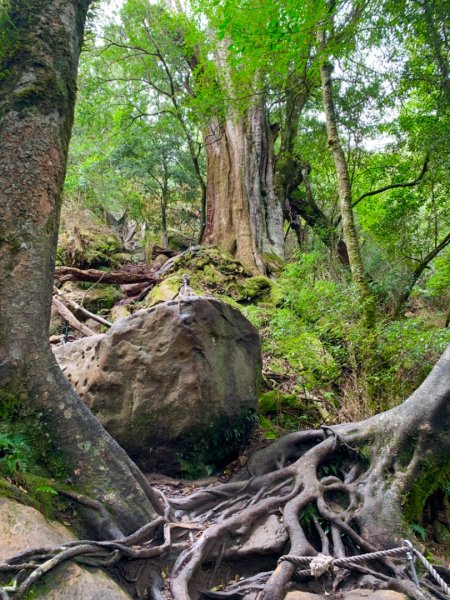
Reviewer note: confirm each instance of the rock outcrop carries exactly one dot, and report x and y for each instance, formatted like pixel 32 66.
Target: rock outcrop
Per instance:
pixel 23 528
pixel 176 385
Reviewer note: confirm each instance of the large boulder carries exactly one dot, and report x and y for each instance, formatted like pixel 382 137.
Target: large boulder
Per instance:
pixel 176 385
pixel 23 528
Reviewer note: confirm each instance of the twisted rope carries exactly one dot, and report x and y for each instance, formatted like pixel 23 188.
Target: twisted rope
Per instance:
pixel 434 574
pixel 341 562
pixel 321 563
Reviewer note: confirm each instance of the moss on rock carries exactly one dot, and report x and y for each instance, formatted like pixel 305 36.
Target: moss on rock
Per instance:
pixel 88 248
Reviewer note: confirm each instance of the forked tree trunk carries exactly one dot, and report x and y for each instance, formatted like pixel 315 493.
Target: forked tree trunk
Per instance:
pixel 37 95
pixel 244 216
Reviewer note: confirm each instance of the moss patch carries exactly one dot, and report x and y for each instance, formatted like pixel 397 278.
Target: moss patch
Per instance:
pixel 88 248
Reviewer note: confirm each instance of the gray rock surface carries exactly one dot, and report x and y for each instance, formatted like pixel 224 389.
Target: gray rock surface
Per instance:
pixel 267 537
pixel 23 527
pixel 176 385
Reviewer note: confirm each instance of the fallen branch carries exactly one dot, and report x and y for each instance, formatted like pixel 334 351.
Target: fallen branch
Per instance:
pixel 68 316
pixel 80 308
pixel 115 277
pixel 157 250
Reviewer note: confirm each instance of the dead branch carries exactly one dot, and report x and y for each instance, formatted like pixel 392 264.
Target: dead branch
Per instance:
pixel 80 308
pixel 68 316
pixel 114 277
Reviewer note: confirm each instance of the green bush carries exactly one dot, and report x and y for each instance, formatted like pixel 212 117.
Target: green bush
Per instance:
pixel 315 341
pixel 14 454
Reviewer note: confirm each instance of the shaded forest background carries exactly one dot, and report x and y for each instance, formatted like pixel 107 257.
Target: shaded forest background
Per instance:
pixel 158 82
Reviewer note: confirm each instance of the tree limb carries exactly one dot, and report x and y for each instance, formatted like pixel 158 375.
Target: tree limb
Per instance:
pixel 70 317
pixel 117 277
pixel 394 186
pixel 83 310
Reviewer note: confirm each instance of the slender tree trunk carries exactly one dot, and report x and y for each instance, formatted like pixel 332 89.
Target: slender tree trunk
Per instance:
pixel 196 164
pixel 164 203
pixel 243 214
pixel 415 275
pixel 359 275
pixel 37 95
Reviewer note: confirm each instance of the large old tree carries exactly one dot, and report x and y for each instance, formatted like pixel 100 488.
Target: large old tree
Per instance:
pixel 244 215
pixel 339 490
pixel 40 50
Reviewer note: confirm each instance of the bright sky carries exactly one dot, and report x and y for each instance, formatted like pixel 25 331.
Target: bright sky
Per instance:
pixel 110 7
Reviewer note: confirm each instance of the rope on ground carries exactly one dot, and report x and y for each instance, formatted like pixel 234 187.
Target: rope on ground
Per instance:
pixel 321 563
pixel 434 574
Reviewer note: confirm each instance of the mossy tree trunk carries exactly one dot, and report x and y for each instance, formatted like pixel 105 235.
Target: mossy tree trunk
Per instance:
pixel 244 215
pixel 350 234
pixel 37 95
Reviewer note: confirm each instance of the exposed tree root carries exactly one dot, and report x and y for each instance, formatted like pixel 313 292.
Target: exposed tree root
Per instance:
pixel 201 535
pixel 335 492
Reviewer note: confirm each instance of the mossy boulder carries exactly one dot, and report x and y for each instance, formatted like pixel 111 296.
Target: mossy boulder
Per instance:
pixel 178 240
pixel 214 272
pixel 254 289
pixel 176 385
pixel 89 248
pixel 163 292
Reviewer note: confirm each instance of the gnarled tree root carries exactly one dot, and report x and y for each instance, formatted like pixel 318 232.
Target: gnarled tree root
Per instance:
pixel 319 498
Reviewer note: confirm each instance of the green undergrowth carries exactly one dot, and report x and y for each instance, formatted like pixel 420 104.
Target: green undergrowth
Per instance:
pixel 30 465
pixel 320 364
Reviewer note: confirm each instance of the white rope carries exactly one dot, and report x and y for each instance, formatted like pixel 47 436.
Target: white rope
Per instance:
pixel 434 574
pixel 320 564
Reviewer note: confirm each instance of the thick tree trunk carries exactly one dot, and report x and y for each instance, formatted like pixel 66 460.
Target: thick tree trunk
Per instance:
pixel 359 275
pixel 243 214
pixel 37 94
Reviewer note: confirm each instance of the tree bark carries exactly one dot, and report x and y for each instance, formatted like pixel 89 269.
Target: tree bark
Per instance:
pixel 359 275
pixel 97 276
pixel 409 448
pixel 37 95
pixel 243 214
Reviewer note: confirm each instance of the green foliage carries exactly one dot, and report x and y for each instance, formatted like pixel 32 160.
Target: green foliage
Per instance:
pixel 315 344
pixel 14 454
pixel 8 36
pixel 419 530
pixel 438 284
pixel 140 92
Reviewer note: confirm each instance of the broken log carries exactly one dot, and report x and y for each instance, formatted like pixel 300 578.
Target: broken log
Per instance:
pixel 68 316
pixel 157 250
pixel 97 276
pixel 76 306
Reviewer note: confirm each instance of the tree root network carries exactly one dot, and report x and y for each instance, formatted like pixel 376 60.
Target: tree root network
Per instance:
pixel 314 482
